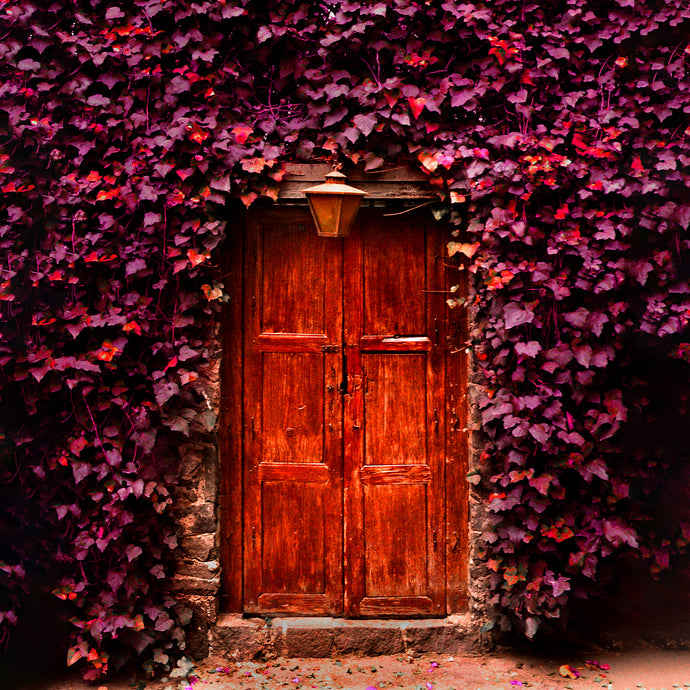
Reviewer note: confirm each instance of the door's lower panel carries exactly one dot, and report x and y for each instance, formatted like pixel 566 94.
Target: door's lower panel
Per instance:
pixel 379 607
pixel 297 604
pixel 295 523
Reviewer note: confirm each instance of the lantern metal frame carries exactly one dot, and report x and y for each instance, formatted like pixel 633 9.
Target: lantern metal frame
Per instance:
pixel 334 205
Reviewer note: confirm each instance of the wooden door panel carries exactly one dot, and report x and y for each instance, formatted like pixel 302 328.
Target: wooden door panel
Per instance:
pixel 392 275
pixel 393 422
pixel 395 540
pixel 293 417
pixel 394 409
pixel 293 261
pixel 293 550
pixel 292 407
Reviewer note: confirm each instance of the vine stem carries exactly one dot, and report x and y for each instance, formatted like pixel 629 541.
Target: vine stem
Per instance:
pixel 93 422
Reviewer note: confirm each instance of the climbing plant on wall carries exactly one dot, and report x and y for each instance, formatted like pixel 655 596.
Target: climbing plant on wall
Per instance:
pixel 557 137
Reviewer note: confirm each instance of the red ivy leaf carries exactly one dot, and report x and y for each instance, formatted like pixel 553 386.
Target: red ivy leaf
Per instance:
pixel 241 133
pixel 196 258
pixel 197 134
pixel 416 106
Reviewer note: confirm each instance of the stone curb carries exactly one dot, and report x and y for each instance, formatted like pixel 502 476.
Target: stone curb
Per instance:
pixel 244 639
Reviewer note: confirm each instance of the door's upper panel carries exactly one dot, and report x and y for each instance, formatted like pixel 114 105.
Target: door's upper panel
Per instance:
pixel 394 275
pixel 293 281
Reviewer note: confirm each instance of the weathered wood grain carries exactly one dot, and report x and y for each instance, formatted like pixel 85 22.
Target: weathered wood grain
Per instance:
pixel 401 182
pixel 396 607
pixel 395 474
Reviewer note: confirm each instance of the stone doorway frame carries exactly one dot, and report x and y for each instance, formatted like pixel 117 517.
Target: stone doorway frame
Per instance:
pixel 206 500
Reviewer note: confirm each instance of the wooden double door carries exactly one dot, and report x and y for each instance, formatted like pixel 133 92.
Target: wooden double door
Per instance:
pixel 349 404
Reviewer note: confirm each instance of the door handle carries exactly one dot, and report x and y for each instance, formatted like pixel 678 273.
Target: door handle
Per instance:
pixel 343 384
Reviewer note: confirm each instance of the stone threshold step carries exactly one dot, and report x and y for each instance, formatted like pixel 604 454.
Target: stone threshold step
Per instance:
pixel 244 639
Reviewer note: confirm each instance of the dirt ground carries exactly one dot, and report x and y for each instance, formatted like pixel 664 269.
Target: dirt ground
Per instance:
pixel 651 669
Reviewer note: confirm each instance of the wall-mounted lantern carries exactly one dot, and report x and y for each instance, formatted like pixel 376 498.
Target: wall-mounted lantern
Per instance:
pixel 334 205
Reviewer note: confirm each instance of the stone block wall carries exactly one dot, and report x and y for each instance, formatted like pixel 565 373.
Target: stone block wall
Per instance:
pixel 197 578
pixel 479 590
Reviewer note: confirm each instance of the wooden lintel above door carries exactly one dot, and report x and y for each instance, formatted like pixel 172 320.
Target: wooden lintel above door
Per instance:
pixel 399 183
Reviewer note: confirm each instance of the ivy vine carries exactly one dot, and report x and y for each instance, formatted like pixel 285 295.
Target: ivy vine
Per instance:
pixel 557 137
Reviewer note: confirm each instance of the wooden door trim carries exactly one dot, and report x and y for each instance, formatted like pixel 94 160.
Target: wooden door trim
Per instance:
pixel 457 447
pixel 436 420
pixel 231 420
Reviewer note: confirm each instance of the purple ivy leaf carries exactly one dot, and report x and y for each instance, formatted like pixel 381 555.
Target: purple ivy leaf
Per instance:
pixel 114 457
pixel 618 533
pixel 80 470
pixel 562 584
pixel 28 64
pixel 132 551
pixel 583 355
pixel 335 115
pixel 540 432
pixel 529 402
pixel 560 355
pixel 186 353
pixel 114 13
pixel 336 90
pixel 495 411
pixel 98 100
pixel 232 11
pixel 539 503
pixel 529 349
pixel 372 162
pixel 578 318
pixel 595 322
pixel 541 484
pixel 572 437
pixel 598 468
pixel 682 215
pixel 39 372
pixel 531 626
pixel 613 401
pixel 110 79
pixel 61 511
pixel 164 390
pixel 515 315
pixel 515 534
pixel 365 123
pixel 599 359
pixel 640 271
pixel 163 623
pixel 459 98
